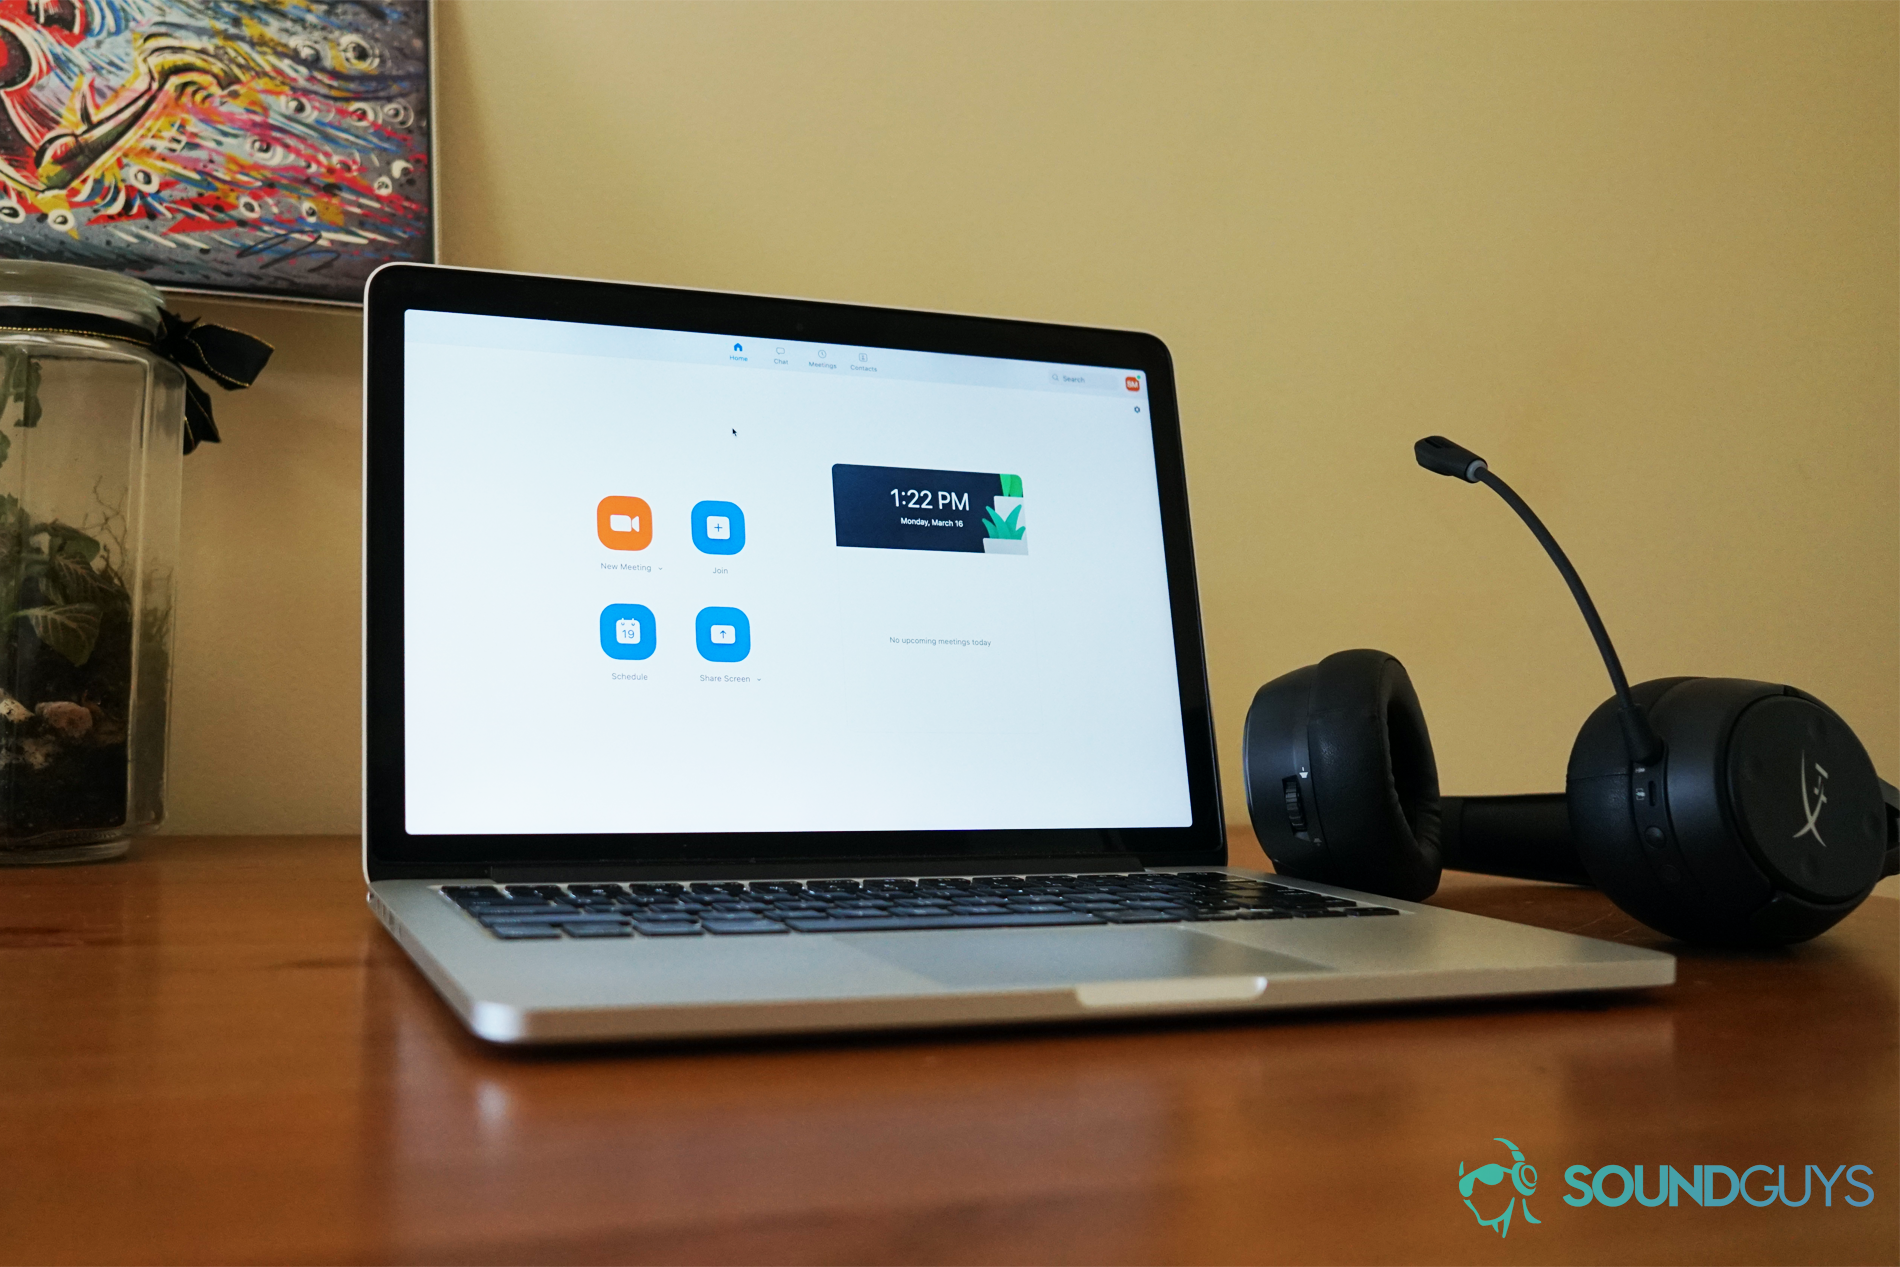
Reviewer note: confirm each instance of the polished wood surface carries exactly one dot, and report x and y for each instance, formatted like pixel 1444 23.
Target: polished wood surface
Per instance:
pixel 210 1052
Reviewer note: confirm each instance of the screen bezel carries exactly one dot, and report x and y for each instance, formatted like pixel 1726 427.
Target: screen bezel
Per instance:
pixel 390 851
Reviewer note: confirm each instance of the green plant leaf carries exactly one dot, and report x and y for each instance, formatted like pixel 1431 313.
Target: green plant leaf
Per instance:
pixel 69 578
pixel 67 540
pixel 22 383
pixel 72 629
pixel 1003 529
pixel 13 526
pixel 1012 485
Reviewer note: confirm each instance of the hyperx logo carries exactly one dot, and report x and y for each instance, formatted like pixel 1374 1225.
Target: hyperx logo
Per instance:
pixel 1812 808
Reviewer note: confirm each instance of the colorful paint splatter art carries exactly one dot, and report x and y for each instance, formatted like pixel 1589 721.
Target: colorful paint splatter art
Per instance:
pixel 259 147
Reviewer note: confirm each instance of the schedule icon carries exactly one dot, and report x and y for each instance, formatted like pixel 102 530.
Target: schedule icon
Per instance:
pixel 626 631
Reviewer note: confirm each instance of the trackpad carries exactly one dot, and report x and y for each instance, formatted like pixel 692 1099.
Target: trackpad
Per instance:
pixel 1049 957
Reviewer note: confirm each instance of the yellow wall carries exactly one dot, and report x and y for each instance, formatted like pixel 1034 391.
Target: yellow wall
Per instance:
pixel 1642 257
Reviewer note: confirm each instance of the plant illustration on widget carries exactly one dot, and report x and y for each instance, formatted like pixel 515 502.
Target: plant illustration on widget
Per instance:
pixel 1523 1177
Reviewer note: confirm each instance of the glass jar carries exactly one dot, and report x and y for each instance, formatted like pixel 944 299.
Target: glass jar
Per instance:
pixel 91 447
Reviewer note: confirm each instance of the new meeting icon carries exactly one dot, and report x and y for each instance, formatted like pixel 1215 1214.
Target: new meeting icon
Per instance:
pixel 624 523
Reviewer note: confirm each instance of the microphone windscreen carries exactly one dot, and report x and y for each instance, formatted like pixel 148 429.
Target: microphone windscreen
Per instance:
pixel 1439 455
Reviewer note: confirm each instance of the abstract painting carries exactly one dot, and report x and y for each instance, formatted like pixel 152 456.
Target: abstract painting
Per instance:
pixel 252 147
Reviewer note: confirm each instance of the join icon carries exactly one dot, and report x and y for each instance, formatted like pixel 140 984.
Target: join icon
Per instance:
pixel 718 528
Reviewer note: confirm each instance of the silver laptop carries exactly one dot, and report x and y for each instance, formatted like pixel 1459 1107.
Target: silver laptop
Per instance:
pixel 742 665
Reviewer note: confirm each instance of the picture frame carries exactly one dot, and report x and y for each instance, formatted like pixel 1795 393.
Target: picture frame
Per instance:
pixel 257 149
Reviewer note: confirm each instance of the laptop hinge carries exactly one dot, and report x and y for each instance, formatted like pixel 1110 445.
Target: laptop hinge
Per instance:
pixel 608 872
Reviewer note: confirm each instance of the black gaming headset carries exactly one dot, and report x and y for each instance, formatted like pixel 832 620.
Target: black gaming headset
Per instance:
pixel 1712 809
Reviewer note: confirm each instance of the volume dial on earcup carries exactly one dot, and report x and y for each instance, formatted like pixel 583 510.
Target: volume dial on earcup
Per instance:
pixel 1341 784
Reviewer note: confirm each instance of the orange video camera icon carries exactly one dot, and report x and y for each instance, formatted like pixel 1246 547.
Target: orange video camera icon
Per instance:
pixel 624 523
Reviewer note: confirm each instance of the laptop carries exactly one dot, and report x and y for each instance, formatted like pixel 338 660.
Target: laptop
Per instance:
pixel 741 665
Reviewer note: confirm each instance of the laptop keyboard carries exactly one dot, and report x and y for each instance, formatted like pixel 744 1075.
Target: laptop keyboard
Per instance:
pixel 521 912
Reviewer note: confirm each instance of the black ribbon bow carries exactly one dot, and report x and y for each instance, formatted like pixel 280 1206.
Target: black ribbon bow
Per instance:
pixel 230 358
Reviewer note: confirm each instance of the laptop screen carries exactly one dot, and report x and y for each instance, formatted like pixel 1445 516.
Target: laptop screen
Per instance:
pixel 663 581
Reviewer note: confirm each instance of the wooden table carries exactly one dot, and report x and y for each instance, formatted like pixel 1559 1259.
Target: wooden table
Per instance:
pixel 211 1053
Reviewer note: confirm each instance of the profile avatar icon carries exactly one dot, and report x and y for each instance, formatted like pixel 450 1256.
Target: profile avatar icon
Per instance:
pixel 1523 1177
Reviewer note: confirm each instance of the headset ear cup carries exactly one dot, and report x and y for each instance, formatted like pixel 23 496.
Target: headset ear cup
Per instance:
pixel 1374 777
pixel 1707 845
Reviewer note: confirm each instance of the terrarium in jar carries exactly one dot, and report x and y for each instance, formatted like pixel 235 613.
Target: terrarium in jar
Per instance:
pixel 92 425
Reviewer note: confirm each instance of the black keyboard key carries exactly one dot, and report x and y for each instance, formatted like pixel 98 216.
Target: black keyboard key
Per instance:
pixel 596 892
pixel 530 907
pixel 525 932
pixel 732 927
pixel 1371 910
pixel 598 930
pixel 552 892
pixel 559 921
pixel 666 928
pixel 1142 916
pixel 905 923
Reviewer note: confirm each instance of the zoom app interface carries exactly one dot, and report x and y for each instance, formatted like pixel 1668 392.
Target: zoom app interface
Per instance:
pixel 659 581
